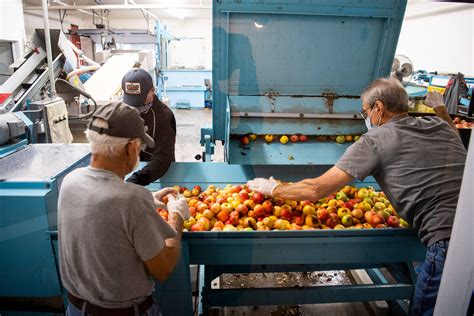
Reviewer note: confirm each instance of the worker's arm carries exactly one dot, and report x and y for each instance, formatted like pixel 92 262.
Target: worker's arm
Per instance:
pixel 163 154
pixel 163 264
pixel 434 100
pixel 313 189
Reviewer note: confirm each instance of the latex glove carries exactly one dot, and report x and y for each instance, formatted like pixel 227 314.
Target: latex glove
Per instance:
pixel 262 185
pixel 178 206
pixel 433 99
pixel 159 195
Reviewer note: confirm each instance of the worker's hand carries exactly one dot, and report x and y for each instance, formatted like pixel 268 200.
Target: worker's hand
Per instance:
pixel 159 195
pixel 434 99
pixel 262 185
pixel 178 206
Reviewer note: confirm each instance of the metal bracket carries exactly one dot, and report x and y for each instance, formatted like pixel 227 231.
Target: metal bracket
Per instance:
pixel 330 97
pixel 208 143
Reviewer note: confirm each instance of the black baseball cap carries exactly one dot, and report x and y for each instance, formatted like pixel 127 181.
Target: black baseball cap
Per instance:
pixel 135 85
pixel 123 120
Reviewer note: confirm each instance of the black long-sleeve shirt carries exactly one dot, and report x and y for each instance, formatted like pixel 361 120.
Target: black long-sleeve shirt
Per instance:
pixel 161 126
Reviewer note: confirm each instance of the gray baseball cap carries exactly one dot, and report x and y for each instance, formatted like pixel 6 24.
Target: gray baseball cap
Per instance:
pixel 135 85
pixel 123 120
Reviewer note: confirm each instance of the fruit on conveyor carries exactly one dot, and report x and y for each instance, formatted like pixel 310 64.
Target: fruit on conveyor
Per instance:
pixel 236 208
pixel 460 123
pixel 341 139
pixel 245 140
pixel 269 138
pixel 284 139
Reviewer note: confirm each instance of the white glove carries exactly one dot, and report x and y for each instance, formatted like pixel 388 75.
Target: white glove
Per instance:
pixel 262 185
pixel 159 195
pixel 433 99
pixel 178 206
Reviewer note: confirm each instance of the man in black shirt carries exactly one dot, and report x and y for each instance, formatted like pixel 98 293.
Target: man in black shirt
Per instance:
pixel 160 124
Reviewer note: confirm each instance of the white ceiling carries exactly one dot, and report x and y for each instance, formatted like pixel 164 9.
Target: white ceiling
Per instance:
pixel 175 9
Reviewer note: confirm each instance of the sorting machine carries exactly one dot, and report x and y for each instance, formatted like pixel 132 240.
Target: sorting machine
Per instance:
pixel 287 67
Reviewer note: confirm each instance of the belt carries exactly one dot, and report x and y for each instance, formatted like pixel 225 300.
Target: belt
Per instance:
pixel 95 310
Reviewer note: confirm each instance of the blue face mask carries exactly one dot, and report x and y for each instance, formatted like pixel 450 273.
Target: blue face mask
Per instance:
pixel 145 108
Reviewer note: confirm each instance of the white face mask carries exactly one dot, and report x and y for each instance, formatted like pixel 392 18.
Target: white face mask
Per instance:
pixel 368 121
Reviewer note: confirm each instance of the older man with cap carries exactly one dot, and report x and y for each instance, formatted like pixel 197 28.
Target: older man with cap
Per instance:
pixel 139 92
pixel 418 163
pixel 112 242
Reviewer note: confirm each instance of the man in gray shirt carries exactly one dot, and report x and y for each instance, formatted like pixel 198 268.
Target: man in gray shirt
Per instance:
pixel 112 242
pixel 418 163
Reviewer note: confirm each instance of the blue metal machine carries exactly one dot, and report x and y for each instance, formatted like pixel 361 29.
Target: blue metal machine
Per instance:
pixel 30 179
pixel 287 67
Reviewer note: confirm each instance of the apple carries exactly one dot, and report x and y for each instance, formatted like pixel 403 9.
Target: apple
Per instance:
pixel 216 229
pixel 282 224
pixel 322 214
pixel 192 211
pixel 393 221
pixel 349 138
pixel 258 198
pixel 285 213
pixel 367 226
pixel 201 207
pixel 331 209
pixel 378 206
pixel 312 220
pixel 299 220
pixel 331 222
pixel 295 226
pixel 249 203
pixel 269 222
pixel 267 206
pixel 381 226
pixel 294 138
pixel 349 205
pixel 357 213
pixel 205 221
pixel 284 139
pixel 268 138
pixel 243 196
pixel 227 207
pixel 198 227
pixel 245 140
pixel 341 196
pixel 341 212
pixel 340 139
pixel 219 224
pixel 258 210
pixel 347 220
pixel 253 137
pixel 376 220
pixel 303 138
pixel 404 223
pixel 362 193
pixel 215 208
pixel 223 216
pixel 356 138
pixel 308 210
pixel 279 201
pixel 250 222
pixel 339 226
pixel 242 209
pixel 277 211
pixel 368 216
pixel 229 228
pixel 208 214
pixel 384 214
pixel 188 224
pixel 187 194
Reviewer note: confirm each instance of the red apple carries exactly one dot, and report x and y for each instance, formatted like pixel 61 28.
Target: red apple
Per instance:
pixel 267 206
pixel 245 140
pixel 368 216
pixel 223 216
pixel 198 227
pixel 258 197
pixel 298 220
pixel 294 138
pixel 258 210
pixel 376 220
pixel 303 138
pixel 285 214
pixel 393 221
pixel 242 209
pixel 322 214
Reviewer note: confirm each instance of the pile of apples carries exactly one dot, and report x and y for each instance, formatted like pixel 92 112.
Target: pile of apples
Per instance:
pixel 237 208
pixel 462 123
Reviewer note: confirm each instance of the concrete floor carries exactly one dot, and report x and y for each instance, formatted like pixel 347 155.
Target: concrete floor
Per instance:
pixel 189 123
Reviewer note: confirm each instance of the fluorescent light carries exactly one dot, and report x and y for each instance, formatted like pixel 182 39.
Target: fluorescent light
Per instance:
pixel 258 25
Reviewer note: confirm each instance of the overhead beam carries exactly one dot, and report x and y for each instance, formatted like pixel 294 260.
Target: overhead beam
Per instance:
pixel 120 7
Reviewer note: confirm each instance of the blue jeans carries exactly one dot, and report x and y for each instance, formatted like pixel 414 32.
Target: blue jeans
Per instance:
pixel 428 279
pixel 72 310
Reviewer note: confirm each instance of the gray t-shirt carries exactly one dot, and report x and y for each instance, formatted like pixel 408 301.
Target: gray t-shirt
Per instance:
pixel 107 229
pixel 418 163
